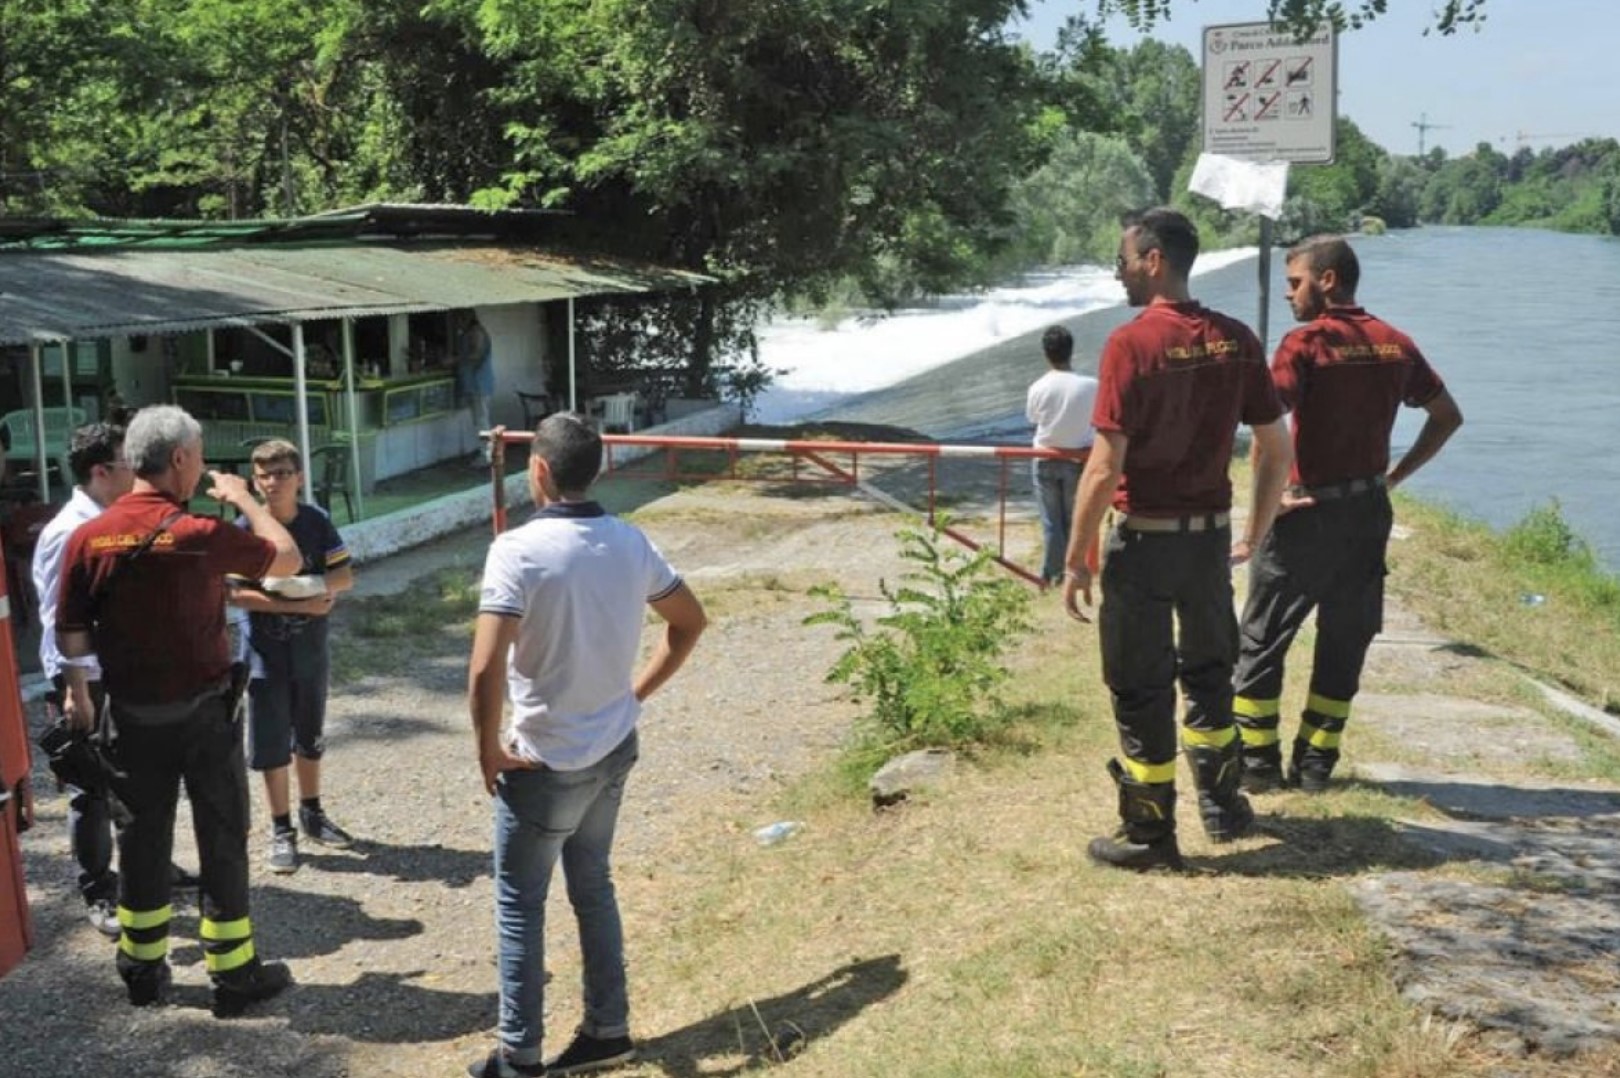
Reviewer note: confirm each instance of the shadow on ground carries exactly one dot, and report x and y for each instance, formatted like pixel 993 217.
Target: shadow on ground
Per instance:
pixel 762 1032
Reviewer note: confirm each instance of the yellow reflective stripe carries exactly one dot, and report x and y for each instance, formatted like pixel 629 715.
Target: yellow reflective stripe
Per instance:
pixel 239 929
pixel 226 961
pixel 1258 738
pixel 1319 738
pixel 144 952
pixel 1326 705
pixel 1250 708
pixel 1208 739
pixel 1151 773
pixel 138 919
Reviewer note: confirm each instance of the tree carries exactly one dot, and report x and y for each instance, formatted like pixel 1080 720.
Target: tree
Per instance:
pixel 773 145
pixel 1068 210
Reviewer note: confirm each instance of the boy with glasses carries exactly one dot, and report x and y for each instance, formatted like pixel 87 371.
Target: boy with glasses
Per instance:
pixel 287 634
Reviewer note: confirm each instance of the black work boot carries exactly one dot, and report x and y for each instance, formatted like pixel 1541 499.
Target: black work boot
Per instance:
pixel 235 991
pixel 1262 768
pixel 1221 805
pixel 147 982
pixel 1309 767
pixel 1146 839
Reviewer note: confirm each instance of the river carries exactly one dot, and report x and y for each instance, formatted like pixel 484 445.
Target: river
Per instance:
pixel 1523 325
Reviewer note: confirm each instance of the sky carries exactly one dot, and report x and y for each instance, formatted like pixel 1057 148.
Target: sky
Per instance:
pixel 1538 73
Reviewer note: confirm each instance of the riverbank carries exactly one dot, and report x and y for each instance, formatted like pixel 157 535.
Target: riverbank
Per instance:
pixel 963 933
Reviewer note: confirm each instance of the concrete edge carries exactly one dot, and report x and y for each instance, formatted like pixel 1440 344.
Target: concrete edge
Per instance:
pixel 1577 708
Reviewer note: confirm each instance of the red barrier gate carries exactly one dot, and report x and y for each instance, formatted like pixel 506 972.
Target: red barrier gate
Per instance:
pixel 16 801
pixel 825 458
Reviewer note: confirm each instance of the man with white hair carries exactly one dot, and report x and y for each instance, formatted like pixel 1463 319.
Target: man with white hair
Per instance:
pixel 143 590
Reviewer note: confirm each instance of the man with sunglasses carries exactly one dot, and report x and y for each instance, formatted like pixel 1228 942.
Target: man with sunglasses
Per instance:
pixel 1173 385
pixel 287 634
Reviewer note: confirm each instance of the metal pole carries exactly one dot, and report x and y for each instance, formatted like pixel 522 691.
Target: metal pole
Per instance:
pixel 1261 327
pixel 354 416
pixel 573 387
pixel 300 388
pixel 42 466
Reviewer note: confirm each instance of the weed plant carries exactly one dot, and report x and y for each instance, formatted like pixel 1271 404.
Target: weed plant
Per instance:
pixel 930 671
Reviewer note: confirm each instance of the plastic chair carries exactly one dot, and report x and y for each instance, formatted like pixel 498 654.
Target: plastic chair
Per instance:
pixel 329 466
pixel 536 406
pixel 619 411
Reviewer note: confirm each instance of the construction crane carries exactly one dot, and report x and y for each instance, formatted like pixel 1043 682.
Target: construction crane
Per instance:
pixel 1424 127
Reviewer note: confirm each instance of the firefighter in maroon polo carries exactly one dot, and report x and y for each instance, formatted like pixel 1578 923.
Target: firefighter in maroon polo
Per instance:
pixel 1174 384
pixel 1343 375
pixel 143 589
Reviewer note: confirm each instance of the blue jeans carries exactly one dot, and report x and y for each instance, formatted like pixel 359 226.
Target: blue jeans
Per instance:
pixel 538 815
pixel 1056 482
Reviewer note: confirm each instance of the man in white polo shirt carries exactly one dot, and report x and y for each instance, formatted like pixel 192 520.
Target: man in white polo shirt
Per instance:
pixel 1059 403
pixel 559 623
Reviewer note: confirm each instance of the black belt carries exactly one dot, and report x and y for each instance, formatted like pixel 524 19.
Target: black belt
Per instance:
pixel 1194 522
pixel 162 714
pixel 1348 489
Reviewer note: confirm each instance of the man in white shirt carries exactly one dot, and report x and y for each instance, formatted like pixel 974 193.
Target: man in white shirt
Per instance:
pixel 1059 404
pixel 96 456
pixel 559 628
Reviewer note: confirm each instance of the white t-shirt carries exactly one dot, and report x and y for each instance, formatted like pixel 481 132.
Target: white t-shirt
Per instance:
pixel 1060 405
pixel 580 581
pixel 47 572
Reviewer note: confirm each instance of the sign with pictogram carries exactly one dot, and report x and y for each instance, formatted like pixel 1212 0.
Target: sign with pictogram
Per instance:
pixel 1269 96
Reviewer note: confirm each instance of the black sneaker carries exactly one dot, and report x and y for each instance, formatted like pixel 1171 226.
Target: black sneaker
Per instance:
pixel 149 985
pixel 103 914
pixel 588 1053
pixel 318 827
pixel 496 1065
pixel 235 991
pixel 283 852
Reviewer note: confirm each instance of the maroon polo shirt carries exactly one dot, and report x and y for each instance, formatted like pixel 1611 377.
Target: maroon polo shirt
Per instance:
pixel 1344 375
pixel 1176 381
pixel 160 634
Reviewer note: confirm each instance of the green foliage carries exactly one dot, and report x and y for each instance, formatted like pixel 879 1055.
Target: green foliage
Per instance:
pixel 1544 537
pixel 930 671
pixel 1068 210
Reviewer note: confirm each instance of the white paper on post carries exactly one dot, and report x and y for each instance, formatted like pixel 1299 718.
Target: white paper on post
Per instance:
pixel 1256 186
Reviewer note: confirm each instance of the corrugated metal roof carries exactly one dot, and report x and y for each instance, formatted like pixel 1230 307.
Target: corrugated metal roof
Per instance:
pixel 77 295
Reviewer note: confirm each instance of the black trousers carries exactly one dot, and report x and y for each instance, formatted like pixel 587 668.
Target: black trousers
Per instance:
pixel 1167 616
pixel 204 749
pixel 1330 558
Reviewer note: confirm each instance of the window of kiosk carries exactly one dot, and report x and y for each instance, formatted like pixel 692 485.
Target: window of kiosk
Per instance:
pixel 283 408
pixel 203 404
pixel 438 397
pixel 403 405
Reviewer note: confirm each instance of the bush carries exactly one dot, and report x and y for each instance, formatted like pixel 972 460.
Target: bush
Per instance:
pixel 929 672
pixel 1544 537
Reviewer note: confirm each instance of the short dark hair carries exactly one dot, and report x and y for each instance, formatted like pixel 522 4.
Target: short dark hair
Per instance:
pixel 1329 252
pixel 1166 230
pixel 1058 344
pixel 277 451
pixel 572 450
pixel 93 444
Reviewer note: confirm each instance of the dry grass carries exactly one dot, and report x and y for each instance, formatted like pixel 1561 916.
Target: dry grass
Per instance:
pixel 966 934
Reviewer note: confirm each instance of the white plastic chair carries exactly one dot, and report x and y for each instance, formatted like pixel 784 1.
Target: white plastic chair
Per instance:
pixel 619 410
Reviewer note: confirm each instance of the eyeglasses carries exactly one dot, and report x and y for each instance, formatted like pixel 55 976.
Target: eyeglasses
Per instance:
pixel 115 465
pixel 276 473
